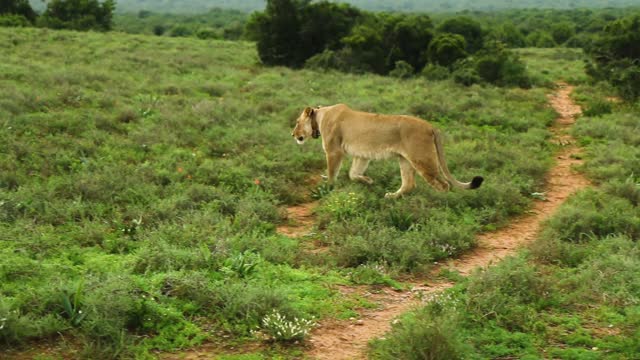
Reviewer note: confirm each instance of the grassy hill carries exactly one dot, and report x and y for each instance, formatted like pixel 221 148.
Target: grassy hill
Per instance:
pixel 143 179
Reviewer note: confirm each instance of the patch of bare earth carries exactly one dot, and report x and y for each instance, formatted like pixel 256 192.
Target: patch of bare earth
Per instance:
pixel 348 339
pixel 300 220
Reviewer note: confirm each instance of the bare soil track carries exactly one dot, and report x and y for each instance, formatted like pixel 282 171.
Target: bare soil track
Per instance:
pixel 299 220
pixel 348 339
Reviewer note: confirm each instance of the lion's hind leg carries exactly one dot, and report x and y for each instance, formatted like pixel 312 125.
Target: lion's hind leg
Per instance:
pixel 430 172
pixel 408 174
pixel 358 167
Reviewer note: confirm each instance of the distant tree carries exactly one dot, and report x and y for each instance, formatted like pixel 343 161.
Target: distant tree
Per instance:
pixel 467 28
pixel 324 24
pixel 385 39
pixel 410 37
pixel 159 29
pixel 541 39
pixel 277 33
pixel 180 31
pixel 79 15
pixel 366 46
pixel 562 32
pixel 508 34
pixel 289 32
pixel 446 49
pixel 498 65
pixel 18 7
pixel 615 57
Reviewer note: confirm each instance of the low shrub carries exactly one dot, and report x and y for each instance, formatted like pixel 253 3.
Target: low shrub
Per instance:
pixel 422 335
pixel 510 294
pixel 597 108
pixel 592 214
pixel 435 72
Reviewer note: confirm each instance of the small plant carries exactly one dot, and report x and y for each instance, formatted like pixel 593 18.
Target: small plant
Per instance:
pixel 242 265
pixel 343 205
pixel 71 306
pixel 132 228
pixel 322 190
pixel 148 104
pixel 401 220
pixel 539 196
pixel 278 328
pixel 372 274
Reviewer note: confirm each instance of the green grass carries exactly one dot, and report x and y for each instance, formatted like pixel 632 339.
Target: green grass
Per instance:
pixel 143 179
pixel 572 295
pixel 555 64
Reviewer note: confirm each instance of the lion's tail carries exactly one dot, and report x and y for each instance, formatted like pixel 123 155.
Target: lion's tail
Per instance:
pixel 474 184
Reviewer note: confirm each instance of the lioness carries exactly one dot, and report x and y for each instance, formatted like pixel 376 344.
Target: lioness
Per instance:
pixel 368 136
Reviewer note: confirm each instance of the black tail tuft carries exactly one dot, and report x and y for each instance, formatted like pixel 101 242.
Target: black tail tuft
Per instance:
pixel 476 182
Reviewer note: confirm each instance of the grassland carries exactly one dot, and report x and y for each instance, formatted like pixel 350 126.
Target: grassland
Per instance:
pixel 574 294
pixel 142 180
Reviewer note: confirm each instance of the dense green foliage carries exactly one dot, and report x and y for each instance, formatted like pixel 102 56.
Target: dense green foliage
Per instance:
pixel 575 294
pixel 78 14
pixel 289 31
pixel 20 8
pixel 328 36
pixel 214 24
pixel 616 56
pixel 138 208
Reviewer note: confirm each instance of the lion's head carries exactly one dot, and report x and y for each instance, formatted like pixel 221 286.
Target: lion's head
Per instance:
pixel 306 126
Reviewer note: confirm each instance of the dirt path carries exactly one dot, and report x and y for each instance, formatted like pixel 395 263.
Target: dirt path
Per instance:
pixel 299 220
pixel 348 339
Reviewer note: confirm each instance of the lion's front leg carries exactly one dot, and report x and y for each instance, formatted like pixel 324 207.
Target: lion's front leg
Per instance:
pixel 334 161
pixel 408 174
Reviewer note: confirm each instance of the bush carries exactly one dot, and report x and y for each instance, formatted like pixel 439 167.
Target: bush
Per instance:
pixel 12 20
pixel 79 15
pixel 466 27
pixel 510 294
pixel 207 33
pixel 593 214
pixel 499 66
pixel 422 336
pixel 597 108
pixel 159 29
pixel 243 306
pixel 466 74
pixel 435 72
pixel 180 31
pixel 16 11
pixel 403 70
pixel 341 60
pixel 446 49
pixel 16 327
pixel 615 58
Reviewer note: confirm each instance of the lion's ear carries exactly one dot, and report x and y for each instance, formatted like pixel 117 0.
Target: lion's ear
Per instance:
pixel 308 111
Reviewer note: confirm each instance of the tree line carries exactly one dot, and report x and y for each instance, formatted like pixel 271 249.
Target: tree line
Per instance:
pixel 60 14
pixel 326 35
pixel 470 47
